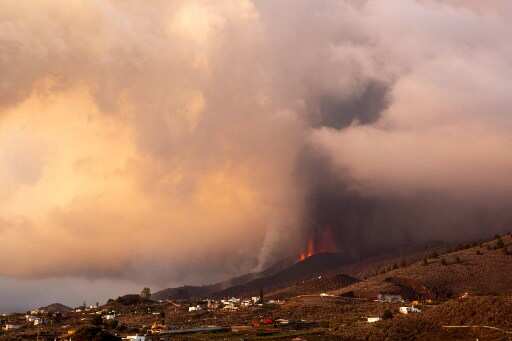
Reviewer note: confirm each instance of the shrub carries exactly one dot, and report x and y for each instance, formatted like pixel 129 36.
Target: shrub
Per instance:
pixel 425 261
pixel 96 320
pixel 457 259
pixel 434 255
pixel 387 315
pixel 478 252
pixel 500 244
pixel 443 261
pixel 88 333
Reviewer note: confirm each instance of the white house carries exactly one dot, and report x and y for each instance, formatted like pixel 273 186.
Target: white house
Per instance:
pixel 109 317
pixel 136 338
pixel 373 319
pixel 407 310
pixel 196 308
pixel 230 306
pixel 12 326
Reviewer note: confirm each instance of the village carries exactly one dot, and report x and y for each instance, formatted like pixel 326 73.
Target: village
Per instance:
pixel 138 318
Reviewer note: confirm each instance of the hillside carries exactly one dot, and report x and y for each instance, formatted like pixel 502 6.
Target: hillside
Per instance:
pixel 311 267
pixel 289 273
pixel 314 285
pixel 479 269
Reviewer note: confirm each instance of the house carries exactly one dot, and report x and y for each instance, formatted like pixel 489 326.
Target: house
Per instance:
pixel 212 304
pixel 283 321
pixel 246 303
pixel 373 319
pixel 11 327
pixel 109 317
pixel 389 298
pixel 34 320
pixel 230 306
pixel 136 338
pixel 407 310
pixel 195 308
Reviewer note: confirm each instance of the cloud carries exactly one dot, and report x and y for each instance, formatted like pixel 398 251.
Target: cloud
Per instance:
pixel 150 143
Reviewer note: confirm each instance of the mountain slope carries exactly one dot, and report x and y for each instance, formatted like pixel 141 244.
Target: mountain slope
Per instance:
pixel 480 269
pixel 316 265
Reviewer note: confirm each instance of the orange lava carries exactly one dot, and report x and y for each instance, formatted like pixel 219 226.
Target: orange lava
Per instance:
pixel 324 242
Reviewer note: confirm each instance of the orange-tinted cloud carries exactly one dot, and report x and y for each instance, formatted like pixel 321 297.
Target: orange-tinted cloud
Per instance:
pixel 152 142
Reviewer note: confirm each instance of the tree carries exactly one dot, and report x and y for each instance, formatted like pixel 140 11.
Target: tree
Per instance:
pixel 145 293
pixel 478 252
pixel 443 261
pixel 457 259
pixel 500 244
pixel 387 315
pixel 97 320
pixel 94 333
pixel 425 261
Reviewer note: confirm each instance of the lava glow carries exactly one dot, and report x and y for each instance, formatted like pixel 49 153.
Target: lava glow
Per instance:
pixel 310 250
pixel 321 242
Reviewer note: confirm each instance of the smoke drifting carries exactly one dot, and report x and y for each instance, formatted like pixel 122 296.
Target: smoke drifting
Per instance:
pixel 150 143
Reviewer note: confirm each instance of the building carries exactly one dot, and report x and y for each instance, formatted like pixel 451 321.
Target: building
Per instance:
pixel 407 310
pixel 389 298
pixel 195 308
pixel 373 319
pixel 136 338
pixel 11 327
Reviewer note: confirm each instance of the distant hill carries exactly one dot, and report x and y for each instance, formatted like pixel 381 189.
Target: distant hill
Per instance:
pixel 196 292
pixel 56 308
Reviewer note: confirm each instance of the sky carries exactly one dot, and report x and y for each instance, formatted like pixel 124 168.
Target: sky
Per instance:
pixel 187 141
